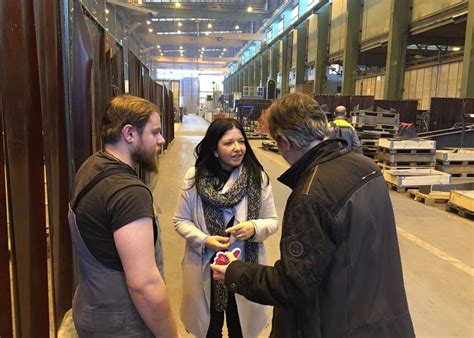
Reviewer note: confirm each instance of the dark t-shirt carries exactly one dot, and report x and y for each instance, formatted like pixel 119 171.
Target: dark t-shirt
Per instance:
pixel 112 203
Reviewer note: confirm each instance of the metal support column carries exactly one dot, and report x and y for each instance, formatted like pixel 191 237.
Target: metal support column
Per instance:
pixel 467 79
pixel 257 70
pixel 321 61
pixel 264 64
pixel 397 47
pixel 300 54
pixel 251 70
pixel 351 46
pixel 284 65
pixel 274 61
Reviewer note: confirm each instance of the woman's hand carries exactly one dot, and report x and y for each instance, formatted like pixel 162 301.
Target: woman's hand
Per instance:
pixel 217 243
pixel 242 231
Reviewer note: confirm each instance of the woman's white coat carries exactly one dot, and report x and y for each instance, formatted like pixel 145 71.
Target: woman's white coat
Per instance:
pixel 190 224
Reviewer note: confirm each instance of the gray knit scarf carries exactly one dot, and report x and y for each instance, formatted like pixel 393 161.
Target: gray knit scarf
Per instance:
pixel 213 203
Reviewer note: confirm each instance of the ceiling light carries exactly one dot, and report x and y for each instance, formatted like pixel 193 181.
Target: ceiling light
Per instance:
pixel 162 53
pixel 207 33
pixel 249 9
pixel 237 27
pixel 178 5
pixel 209 25
pixel 139 2
pixel 220 56
pixel 203 49
pixel 148 22
pixel 158 46
pixel 225 49
pixel 107 11
pixel 150 30
pixel 456 49
pixel 179 24
pixel 180 47
pixel 178 31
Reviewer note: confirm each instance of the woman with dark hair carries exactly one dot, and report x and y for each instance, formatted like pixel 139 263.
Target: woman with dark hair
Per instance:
pixel 226 203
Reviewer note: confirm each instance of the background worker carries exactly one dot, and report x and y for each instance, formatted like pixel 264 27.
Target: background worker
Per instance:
pixel 341 128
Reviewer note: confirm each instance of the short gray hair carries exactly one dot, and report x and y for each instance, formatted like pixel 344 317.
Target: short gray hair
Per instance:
pixel 298 117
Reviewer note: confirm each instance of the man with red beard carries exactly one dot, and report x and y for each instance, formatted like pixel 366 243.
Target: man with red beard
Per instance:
pixel 113 226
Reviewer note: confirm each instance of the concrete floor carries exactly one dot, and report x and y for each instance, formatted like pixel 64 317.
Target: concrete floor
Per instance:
pixel 436 246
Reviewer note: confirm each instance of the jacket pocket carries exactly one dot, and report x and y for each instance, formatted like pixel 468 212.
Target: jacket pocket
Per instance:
pixel 101 321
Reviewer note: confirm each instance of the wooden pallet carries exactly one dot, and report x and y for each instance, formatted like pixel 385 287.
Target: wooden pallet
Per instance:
pixel 459 210
pixel 416 177
pixel 429 199
pixel 407 164
pixel 396 188
pixel 456 169
pixel 409 151
pixel 423 159
pixel 463 199
pixel 455 155
pixel 369 142
pixel 374 118
pixel 407 144
pixel 375 126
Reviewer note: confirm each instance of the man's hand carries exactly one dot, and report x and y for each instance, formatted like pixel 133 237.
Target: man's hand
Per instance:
pixel 217 243
pixel 242 231
pixel 219 270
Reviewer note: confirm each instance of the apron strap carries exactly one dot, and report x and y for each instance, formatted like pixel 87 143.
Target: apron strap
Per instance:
pixel 99 177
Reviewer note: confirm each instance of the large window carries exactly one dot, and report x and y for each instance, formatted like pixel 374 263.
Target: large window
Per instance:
pixel 269 35
pixel 294 14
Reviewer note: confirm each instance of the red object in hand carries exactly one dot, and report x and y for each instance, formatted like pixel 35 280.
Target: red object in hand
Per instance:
pixel 221 258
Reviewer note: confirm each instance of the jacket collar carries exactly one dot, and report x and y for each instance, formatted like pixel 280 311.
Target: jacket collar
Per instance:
pixel 322 152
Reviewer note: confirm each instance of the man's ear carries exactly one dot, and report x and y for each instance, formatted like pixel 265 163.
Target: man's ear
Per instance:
pixel 284 144
pixel 129 133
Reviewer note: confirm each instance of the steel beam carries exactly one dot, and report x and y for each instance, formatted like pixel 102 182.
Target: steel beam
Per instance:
pixel 467 79
pixel 264 64
pixel 283 61
pixel 321 61
pixel 397 48
pixel 351 46
pixel 300 54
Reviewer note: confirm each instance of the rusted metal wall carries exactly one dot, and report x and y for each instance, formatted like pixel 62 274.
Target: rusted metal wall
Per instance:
pixel 21 93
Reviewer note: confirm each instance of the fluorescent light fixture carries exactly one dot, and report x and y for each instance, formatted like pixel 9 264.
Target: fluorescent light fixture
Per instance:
pixel 249 9
pixel 107 11
pixel 150 30
pixel 158 46
pixel 179 24
pixel 237 27
pixel 209 25
pixel 148 22
pixel 456 49
pixel 178 5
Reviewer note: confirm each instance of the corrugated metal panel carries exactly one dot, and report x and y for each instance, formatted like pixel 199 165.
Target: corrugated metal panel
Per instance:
pixel 422 8
pixel 338 26
pixel 433 81
pixel 371 85
pixel 375 18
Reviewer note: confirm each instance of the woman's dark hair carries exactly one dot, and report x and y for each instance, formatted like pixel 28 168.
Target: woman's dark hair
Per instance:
pixel 206 161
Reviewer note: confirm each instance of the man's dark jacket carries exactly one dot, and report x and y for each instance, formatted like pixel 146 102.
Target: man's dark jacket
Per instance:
pixel 340 273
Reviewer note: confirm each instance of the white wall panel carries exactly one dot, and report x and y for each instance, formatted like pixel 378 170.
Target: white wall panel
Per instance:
pixel 434 81
pixel 338 26
pixel 375 18
pixel 423 8
pixel 312 38
pixel 371 85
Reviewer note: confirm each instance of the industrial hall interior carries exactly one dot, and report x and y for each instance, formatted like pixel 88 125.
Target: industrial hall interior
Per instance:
pixel 395 75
